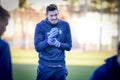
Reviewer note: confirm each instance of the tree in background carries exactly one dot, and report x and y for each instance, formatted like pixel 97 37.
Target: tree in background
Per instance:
pixel 22 6
pixel 25 18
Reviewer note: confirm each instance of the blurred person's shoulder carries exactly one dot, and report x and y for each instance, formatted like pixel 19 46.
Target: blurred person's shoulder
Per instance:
pixel 3 44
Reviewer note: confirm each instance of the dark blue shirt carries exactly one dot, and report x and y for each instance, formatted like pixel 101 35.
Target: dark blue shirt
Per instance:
pixel 49 55
pixel 108 71
pixel 5 61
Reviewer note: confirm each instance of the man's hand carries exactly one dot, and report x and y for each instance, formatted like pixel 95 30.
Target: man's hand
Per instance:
pixel 57 43
pixel 53 33
pixel 53 42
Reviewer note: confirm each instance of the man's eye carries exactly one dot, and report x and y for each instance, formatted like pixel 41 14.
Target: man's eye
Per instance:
pixel 55 14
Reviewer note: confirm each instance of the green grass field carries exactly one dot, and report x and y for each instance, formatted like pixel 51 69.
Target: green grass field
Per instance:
pixel 80 64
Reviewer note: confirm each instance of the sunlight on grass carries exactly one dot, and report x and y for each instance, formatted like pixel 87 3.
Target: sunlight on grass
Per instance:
pixel 20 56
pixel 87 58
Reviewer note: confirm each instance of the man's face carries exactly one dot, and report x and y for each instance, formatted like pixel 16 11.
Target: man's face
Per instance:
pixel 53 16
pixel 3 25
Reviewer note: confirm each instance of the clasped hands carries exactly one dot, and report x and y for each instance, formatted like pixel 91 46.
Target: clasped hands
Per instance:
pixel 52 41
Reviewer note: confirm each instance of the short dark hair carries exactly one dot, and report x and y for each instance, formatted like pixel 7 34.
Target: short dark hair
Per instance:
pixel 51 7
pixel 4 14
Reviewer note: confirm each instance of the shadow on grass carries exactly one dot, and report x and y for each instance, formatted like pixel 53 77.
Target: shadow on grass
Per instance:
pixel 28 72
pixel 80 72
pixel 24 72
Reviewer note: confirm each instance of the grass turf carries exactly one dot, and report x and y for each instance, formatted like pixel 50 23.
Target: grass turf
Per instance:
pixel 28 72
pixel 80 64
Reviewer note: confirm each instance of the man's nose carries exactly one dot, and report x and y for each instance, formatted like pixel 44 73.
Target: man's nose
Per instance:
pixel 54 17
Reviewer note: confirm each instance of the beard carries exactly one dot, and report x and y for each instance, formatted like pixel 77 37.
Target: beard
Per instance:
pixel 54 21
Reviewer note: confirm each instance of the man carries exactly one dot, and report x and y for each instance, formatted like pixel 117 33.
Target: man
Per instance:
pixel 110 70
pixel 52 37
pixel 5 58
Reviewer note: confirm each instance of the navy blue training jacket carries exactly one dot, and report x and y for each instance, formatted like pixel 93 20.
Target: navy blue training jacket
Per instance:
pixel 108 71
pixel 49 55
pixel 5 61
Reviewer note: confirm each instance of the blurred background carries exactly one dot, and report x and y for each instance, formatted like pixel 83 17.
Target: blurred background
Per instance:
pixel 95 28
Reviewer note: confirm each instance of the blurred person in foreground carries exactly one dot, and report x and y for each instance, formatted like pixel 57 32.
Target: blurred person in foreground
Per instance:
pixel 110 70
pixel 52 37
pixel 5 57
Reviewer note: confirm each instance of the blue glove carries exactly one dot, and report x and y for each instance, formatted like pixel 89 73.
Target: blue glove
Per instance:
pixel 57 43
pixel 53 33
pixel 53 42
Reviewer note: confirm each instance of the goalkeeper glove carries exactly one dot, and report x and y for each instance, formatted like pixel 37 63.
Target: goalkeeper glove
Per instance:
pixel 53 32
pixel 53 42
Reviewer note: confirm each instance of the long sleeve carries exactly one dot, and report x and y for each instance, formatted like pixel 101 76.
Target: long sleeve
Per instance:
pixel 67 45
pixel 39 39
